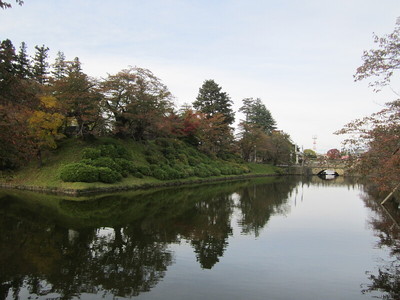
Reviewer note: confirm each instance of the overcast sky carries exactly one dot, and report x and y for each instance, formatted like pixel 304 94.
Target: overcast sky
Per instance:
pixel 299 57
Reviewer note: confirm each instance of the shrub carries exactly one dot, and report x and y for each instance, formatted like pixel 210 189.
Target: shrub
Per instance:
pixel 79 172
pixel 91 153
pixel 172 173
pixel 126 165
pixel 106 162
pixel 193 161
pixel 160 174
pixel 138 175
pixel 108 176
pixel 108 151
pixel 145 170
pixel 202 171
pixel 215 171
pixel 183 159
pixel 152 159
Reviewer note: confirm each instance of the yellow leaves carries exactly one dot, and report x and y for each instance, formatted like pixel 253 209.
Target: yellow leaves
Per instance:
pixel 49 102
pixel 44 127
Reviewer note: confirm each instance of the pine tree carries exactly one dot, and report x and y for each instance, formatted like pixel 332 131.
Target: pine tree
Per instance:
pixel 59 66
pixel 257 115
pixel 23 64
pixel 211 101
pixel 40 66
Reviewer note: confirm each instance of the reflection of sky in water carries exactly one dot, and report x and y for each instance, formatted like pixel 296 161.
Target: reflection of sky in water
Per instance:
pixel 318 249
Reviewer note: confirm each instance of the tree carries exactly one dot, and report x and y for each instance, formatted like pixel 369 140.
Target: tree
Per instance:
pixel 309 153
pixel 253 142
pixel 381 63
pixel 40 64
pixel 23 64
pixel 280 148
pixel 256 114
pixel 44 125
pixel 4 4
pixel 136 102
pixel 17 97
pixel 255 129
pixel 379 134
pixel 211 101
pixel 333 154
pixel 79 98
pixel 60 69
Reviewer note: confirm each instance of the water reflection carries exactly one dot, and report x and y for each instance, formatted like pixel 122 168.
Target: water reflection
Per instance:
pixel 120 245
pixel 386 226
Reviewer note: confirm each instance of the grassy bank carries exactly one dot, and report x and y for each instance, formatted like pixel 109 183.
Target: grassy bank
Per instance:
pixel 157 163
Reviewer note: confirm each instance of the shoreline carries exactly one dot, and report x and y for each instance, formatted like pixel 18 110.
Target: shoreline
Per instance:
pixel 114 189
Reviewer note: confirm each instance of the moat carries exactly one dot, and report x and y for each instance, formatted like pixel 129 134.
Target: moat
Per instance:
pixel 264 238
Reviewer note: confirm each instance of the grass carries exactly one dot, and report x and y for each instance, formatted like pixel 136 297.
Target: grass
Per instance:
pixel 70 151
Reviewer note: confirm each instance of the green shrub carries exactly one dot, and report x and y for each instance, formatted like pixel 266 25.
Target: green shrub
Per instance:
pixel 215 171
pixel 144 170
pixel 172 173
pixel 183 159
pixel 108 176
pixel 106 162
pixel 137 174
pixel 126 165
pixel 153 160
pixel 79 172
pixel 202 171
pixel 160 174
pixel 91 153
pixel 193 161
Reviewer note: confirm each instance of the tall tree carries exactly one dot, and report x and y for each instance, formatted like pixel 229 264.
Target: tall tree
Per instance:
pixel 79 99
pixel 40 68
pixel 60 66
pixel 23 64
pixel 8 79
pixel 136 102
pixel 211 101
pixel 257 125
pixel 44 125
pixel 257 115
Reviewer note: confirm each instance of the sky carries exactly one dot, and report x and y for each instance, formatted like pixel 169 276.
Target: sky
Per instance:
pixel 298 56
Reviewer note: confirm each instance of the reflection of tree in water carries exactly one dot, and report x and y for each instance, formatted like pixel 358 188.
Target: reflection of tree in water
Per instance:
pixel 385 224
pixel 258 202
pixel 46 259
pixel 64 251
pixel 210 239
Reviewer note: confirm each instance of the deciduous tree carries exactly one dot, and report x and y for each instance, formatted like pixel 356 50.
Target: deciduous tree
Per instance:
pixel 379 134
pixel 44 124
pixel 136 101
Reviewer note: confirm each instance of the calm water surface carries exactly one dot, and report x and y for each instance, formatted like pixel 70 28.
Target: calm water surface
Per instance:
pixel 271 238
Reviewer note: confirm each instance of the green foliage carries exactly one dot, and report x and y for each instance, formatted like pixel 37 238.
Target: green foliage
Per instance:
pixel 114 151
pixel 91 153
pixel 257 114
pixel 108 175
pixel 309 153
pixel 211 101
pixel 76 172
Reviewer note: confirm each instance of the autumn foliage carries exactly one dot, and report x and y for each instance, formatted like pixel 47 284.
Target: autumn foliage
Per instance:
pixel 374 141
